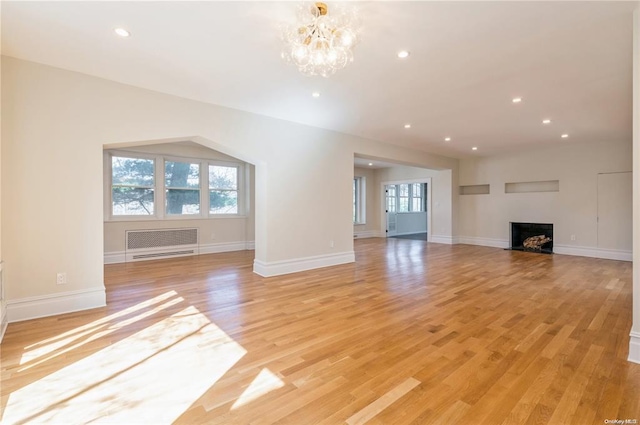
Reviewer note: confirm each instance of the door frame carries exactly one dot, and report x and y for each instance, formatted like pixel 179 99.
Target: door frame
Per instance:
pixel 383 206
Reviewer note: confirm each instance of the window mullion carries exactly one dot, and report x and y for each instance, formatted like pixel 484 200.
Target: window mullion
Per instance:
pixel 204 189
pixel 160 187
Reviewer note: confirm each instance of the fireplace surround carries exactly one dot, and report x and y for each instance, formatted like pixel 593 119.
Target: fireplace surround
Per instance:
pixel 522 231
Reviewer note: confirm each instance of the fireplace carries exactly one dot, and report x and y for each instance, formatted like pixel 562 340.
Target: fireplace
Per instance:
pixel 521 231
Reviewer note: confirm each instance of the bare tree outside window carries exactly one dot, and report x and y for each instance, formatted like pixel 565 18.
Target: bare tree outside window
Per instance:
pixel 182 183
pixel 132 189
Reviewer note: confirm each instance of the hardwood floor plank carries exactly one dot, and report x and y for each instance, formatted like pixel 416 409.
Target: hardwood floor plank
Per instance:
pixel 383 402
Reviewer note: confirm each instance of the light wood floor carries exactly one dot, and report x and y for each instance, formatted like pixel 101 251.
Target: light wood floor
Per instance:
pixel 413 333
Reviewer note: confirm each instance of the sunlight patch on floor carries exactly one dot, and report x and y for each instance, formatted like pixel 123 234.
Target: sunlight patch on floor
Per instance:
pixel 95 334
pixel 264 383
pixel 152 376
pixel 49 345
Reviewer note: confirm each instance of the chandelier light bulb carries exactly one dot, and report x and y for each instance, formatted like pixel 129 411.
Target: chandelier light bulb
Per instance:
pixel 321 42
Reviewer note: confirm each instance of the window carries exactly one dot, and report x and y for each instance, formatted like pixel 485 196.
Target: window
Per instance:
pixel 132 186
pixel 182 187
pixel 392 199
pixel 406 197
pixel 403 198
pixel 359 200
pixel 223 190
pixel 152 186
pixel 417 197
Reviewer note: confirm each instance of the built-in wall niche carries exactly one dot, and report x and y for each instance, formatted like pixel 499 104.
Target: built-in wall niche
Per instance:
pixel 474 189
pixel 532 187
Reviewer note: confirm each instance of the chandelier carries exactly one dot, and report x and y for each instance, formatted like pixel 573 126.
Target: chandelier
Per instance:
pixel 320 43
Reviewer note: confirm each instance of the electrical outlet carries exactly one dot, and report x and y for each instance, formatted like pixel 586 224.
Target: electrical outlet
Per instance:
pixel 330 244
pixel 573 237
pixel 213 236
pixel 61 278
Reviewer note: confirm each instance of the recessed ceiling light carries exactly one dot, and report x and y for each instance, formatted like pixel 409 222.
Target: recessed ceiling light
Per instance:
pixel 516 100
pixel 447 139
pixel 564 136
pixel 474 148
pixel 403 54
pixel 315 94
pixel 407 126
pixel 122 32
pixel 546 121
pixel 370 164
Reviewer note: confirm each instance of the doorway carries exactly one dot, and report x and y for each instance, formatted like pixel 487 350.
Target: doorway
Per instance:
pixel 407 209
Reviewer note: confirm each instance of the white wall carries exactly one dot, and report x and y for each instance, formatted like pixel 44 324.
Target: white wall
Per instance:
pixel 413 222
pixel 3 309
pixel 218 233
pixel 484 219
pixel 634 342
pixel 372 225
pixel 55 125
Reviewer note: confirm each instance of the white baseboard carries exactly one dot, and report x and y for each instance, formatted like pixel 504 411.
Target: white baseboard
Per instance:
pixel 54 304
pixel 634 347
pixel 449 240
pixel 581 251
pixel 367 234
pixel 473 240
pixel 212 248
pixel 3 321
pixel 276 268
pixel 114 257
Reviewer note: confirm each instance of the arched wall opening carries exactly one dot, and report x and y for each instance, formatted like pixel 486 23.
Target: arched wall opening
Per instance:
pixel 201 201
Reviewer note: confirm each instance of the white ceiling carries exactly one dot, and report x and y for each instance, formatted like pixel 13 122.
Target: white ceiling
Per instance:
pixel 569 61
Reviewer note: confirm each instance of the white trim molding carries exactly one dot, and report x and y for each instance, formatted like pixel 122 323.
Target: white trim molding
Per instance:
pixel 367 234
pixel 448 240
pixel 5 322
pixel 579 251
pixel 214 248
pixel 634 347
pixel 473 240
pixel 114 257
pixel 250 245
pixel 582 251
pixel 54 304
pixel 276 268
pixel 3 306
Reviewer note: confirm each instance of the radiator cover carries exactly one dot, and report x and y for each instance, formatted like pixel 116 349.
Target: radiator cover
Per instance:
pixel 160 243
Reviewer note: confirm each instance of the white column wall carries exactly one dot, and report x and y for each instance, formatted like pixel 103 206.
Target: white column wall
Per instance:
pixel 634 342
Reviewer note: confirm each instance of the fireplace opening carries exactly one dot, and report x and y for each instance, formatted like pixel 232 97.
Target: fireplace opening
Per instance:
pixel 534 237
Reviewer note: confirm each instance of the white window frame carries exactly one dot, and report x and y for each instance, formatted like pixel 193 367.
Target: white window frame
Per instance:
pixel 160 187
pixel 241 184
pixel 410 197
pixel 109 185
pixel 166 159
pixel 361 200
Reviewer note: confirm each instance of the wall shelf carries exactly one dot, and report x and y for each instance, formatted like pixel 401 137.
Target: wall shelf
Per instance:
pixel 475 189
pixel 532 187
